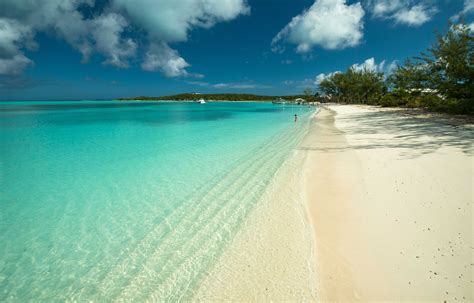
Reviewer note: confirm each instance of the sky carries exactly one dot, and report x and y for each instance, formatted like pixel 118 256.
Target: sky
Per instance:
pixel 86 49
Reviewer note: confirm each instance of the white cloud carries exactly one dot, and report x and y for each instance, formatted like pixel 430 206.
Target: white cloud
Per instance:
pixel 369 65
pixel 13 37
pixel 167 21
pixel 14 65
pixel 415 15
pixel 381 8
pixel 319 78
pixel 330 24
pixel 391 67
pixel 107 30
pixel 407 12
pixel 160 57
pixel 229 85
pixel 237 85
pixel 198 83
pixel 468 7
pixel 60 17
pixel 161 22
pixel 170 21
pixel 240 85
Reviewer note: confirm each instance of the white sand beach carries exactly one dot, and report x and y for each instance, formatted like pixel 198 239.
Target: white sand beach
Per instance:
pixel 388 212
pixel 272 256
pixel 391 201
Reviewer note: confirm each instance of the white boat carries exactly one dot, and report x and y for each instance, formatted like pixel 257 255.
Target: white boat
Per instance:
pixel 202 101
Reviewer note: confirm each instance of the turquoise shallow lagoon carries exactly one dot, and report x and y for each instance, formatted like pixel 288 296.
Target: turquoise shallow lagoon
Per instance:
pixel 108 200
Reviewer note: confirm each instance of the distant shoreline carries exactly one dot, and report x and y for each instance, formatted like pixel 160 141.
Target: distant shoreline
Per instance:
pixel 215 97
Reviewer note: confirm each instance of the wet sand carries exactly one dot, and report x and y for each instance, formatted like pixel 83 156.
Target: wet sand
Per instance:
pixel 272 256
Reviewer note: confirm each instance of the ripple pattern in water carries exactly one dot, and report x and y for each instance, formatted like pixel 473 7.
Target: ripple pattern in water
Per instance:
pixel 129 201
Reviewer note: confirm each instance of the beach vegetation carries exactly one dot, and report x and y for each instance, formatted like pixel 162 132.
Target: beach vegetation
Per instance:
pixel 354 86
pixel 310 94
pixel 216 97
pixel 439 79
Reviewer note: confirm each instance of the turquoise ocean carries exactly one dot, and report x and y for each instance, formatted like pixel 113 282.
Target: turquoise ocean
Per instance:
pixel 113 200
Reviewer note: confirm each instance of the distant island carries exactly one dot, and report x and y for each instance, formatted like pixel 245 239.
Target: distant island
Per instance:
pixel 217 97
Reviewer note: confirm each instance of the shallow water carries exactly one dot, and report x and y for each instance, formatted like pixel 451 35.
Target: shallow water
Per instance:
pixel 104 200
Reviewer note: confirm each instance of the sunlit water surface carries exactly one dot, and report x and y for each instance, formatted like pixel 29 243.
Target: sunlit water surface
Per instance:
pixel 107 200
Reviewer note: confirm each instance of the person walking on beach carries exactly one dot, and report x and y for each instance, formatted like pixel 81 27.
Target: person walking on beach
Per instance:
pixel 296 118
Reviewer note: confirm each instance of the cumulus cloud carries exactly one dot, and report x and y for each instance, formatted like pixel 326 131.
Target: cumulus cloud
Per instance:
pixel 407 12
pixel 368 65
pixel 160 57
pixel 166 22
pixel 330 24
pixel 319 78
pixel 59 17
pixel 382 8
pixel 63 19
pixel 371 66
pixel 13 37
pixel 170 21
pixel 415 15
pixel 106 29
pixel 14 65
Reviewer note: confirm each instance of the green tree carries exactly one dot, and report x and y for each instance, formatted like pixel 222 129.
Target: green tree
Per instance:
pixel 441 78
pixel 451 62
pixel 309 94
pixel 412 77
pixel 354 86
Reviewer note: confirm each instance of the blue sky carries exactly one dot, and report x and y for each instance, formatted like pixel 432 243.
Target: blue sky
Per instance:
pixel 85 49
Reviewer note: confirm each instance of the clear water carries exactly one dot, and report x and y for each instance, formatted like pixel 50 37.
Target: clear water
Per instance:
pixel 129 200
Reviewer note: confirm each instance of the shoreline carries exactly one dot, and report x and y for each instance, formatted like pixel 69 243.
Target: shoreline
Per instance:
pixel 370 206
pixel 390 202
pixel 272 255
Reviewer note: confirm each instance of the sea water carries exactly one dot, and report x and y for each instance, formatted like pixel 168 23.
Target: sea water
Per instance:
pixel 114 200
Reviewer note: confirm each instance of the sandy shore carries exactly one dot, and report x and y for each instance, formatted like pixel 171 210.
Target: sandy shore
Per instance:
pixel 374 205
pixel 272 256
pixel 390 197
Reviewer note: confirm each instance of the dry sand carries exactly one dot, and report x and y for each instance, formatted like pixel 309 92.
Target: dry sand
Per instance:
pixel 375 205
pixel 390 197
